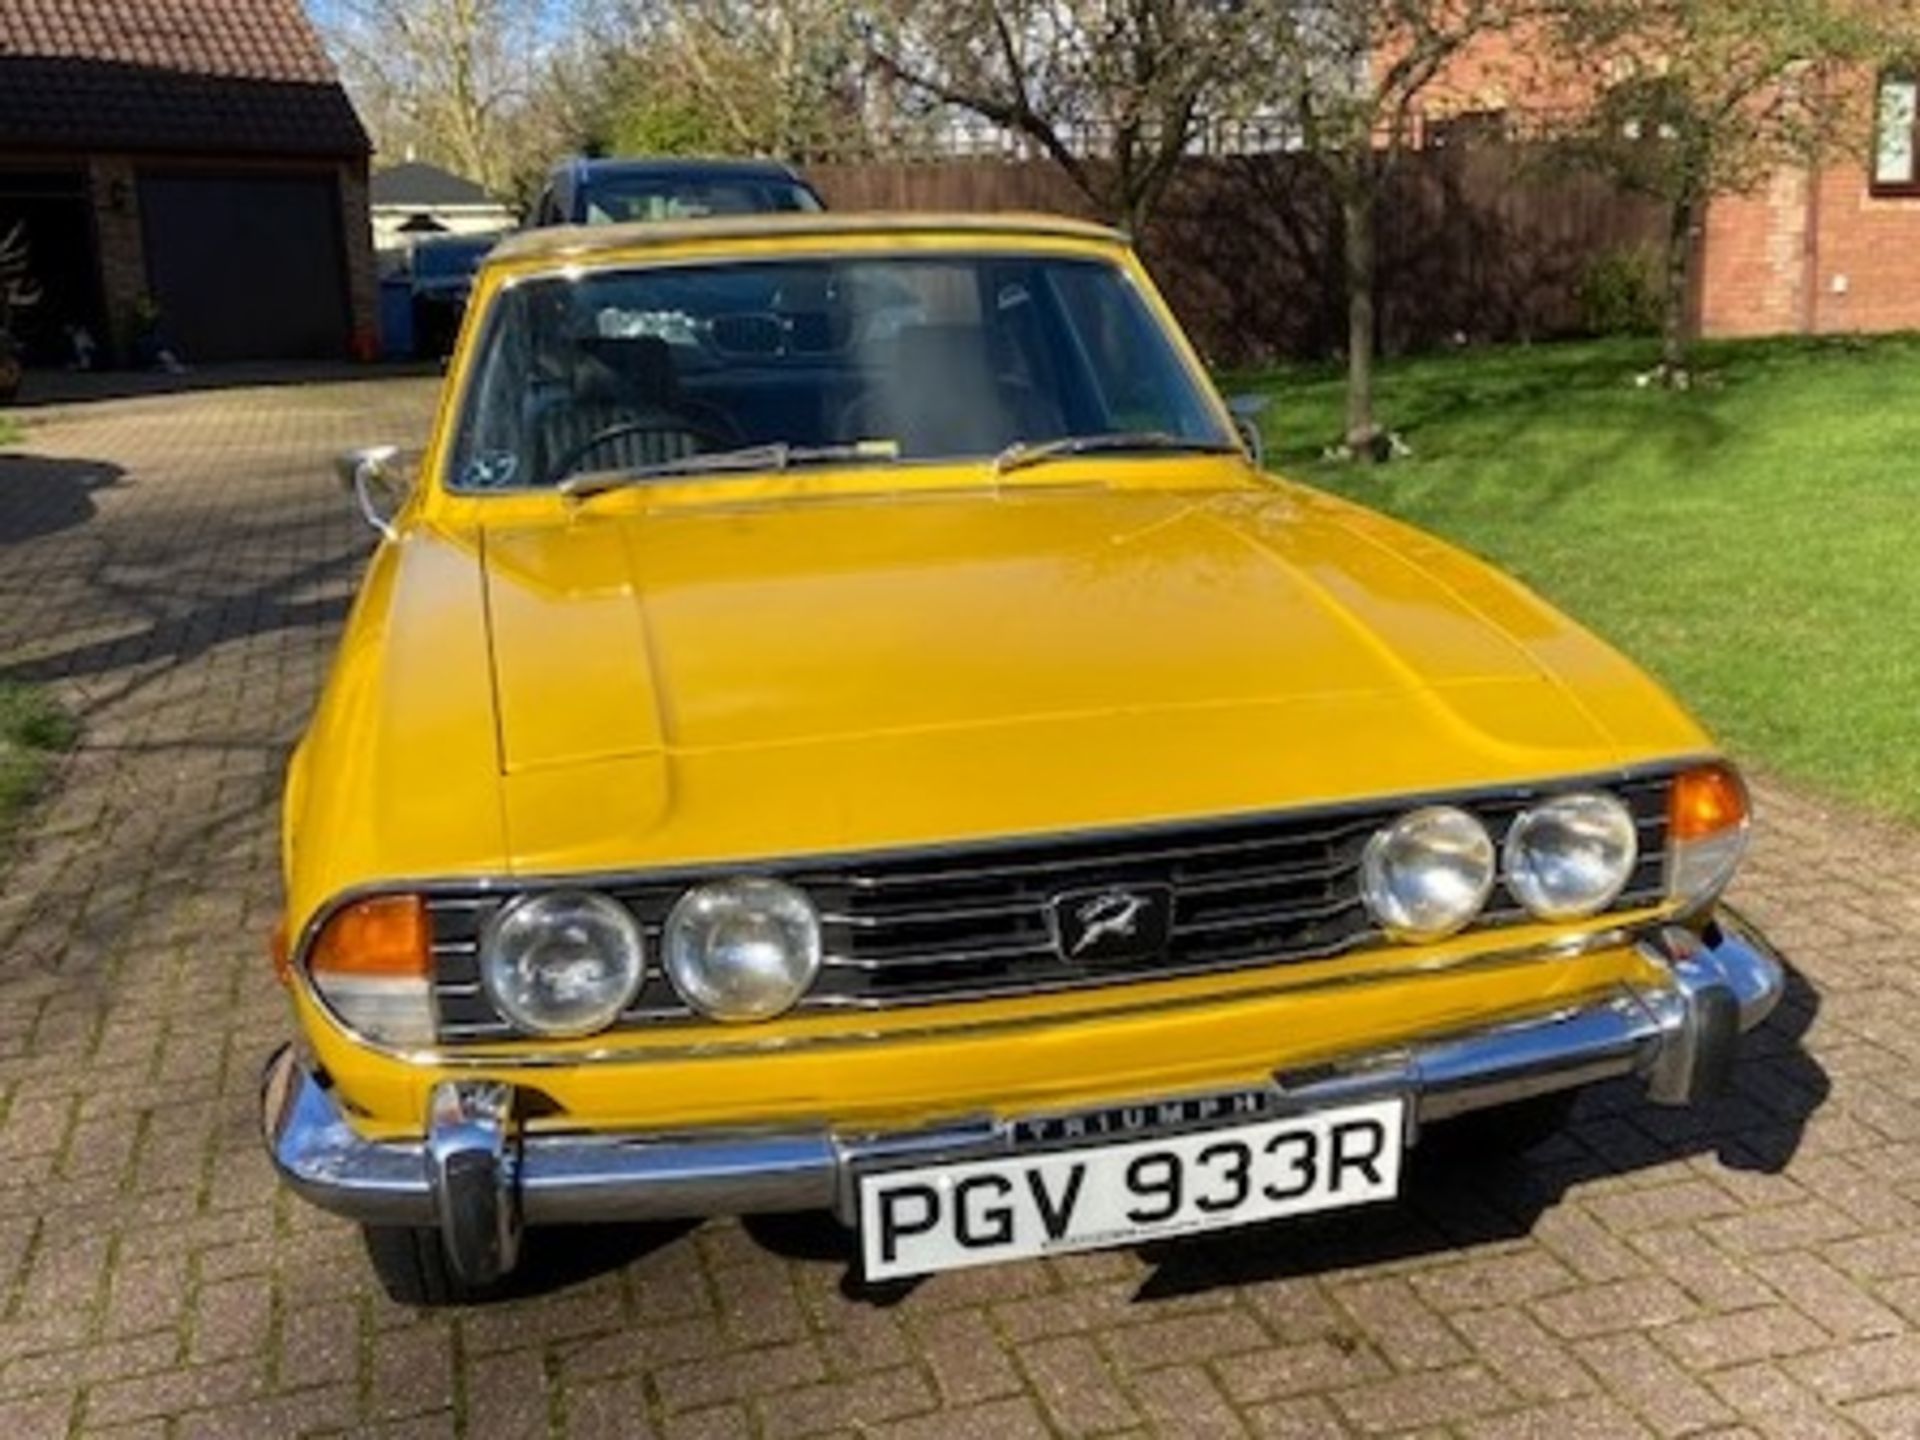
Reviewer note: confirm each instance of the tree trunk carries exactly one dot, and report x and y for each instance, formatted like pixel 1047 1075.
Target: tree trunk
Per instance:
pixel 1357 207
pixel 1675 337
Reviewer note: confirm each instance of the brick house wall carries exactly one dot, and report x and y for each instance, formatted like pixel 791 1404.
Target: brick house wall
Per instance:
pixel 1753 279
pixel 212 114
pixel 1815 253
pixel 363 284
pixel 114 195
pixel 1812 253
pixel 1816 250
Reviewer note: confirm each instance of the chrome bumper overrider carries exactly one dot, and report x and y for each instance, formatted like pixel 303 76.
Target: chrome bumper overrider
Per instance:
pixel 479 1181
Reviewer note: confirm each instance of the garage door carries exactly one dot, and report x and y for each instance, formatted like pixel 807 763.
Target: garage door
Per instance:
pixel 246 267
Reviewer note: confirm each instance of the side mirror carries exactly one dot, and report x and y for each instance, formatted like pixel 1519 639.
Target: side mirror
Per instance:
pixel 373 478
pixel 1247 410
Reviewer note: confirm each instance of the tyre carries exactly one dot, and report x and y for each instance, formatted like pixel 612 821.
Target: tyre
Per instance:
pixel 1511 1130
pixel 413 1268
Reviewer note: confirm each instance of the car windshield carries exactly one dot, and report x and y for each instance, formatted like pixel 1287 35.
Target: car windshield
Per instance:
pixel 617 199
pixel 685 369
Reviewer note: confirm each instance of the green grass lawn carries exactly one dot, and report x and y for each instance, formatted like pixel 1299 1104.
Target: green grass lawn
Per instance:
pixel 1755 541
pixel 33 730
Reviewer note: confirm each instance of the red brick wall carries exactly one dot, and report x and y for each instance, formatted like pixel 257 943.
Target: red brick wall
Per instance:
pixel 1753 281
pixel 363 294
pixel 1867 258
pixel 1802 256
pixel 123 262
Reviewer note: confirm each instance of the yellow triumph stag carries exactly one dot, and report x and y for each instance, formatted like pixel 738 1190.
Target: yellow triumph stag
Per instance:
pixel 842 720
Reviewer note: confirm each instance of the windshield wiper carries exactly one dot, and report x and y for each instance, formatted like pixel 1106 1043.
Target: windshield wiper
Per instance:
pixel 777 456
pixel 1021 454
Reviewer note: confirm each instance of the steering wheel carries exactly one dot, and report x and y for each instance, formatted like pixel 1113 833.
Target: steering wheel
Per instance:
pixel 707 437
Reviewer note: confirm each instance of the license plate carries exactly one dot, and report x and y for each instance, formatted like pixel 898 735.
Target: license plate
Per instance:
pixel 944 1217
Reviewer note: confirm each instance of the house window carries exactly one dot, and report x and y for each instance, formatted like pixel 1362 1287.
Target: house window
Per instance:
pixel 1896 147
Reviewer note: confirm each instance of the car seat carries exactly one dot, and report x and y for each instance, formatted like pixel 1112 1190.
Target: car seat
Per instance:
pixel 941 395
pixel 628 381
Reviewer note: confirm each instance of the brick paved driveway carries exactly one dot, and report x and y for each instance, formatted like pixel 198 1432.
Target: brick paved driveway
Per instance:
pixel 179 568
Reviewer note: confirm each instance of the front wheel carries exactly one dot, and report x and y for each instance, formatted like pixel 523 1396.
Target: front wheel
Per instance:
pixel 414 1270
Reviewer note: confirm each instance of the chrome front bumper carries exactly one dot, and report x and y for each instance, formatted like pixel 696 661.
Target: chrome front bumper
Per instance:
pixel 479 1181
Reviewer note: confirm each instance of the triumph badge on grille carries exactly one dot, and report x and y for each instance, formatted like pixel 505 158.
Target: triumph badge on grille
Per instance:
pixel 1113 926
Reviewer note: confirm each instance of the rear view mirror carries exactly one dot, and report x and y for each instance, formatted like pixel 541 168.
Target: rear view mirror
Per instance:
pixel 1247 410
pixel 373 478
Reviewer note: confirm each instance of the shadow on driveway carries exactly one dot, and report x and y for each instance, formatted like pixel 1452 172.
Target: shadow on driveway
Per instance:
pixel 179 638
pixel 41 496
pixel 1452 1200
pixel 1455 1200
pixel 47 388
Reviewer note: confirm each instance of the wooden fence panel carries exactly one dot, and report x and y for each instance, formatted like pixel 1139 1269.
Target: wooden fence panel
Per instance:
pixel 1477 244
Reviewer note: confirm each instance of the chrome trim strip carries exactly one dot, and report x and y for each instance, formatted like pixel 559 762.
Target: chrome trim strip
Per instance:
pixel 934 958
pixel 1258 879
pixel 947 916
pixel 1674 1033
pixel 1110 980
pixel 1224 923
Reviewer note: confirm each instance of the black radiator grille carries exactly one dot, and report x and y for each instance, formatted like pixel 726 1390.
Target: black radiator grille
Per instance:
pixel 971 922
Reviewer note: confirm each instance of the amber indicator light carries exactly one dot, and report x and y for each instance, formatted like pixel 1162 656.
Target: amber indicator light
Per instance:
pixel 1706 802
pixel 387 935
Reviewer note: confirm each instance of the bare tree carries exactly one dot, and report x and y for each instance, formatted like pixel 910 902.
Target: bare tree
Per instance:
pixel 447 80
pixel 1113 91
pixel 757 77
pixel 1359 71
pixel 1703 98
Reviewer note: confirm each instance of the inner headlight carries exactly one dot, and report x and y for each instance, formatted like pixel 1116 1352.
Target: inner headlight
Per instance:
pixel 563 964
pixel 1428 874
pixel 744 949
pixel 1570 857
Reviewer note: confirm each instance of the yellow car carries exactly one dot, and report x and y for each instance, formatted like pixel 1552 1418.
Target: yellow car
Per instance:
pixel 842 720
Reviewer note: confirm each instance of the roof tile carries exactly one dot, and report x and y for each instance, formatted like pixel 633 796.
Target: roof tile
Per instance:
pixel 232 76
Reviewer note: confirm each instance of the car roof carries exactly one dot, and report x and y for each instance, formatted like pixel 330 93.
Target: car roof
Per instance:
pixel 675 167
pixel 585 242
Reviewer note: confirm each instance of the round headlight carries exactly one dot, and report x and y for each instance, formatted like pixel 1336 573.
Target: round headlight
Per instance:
pixel 1427 875
pixel 1570 857
pixel 743 949
pixel 563 964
